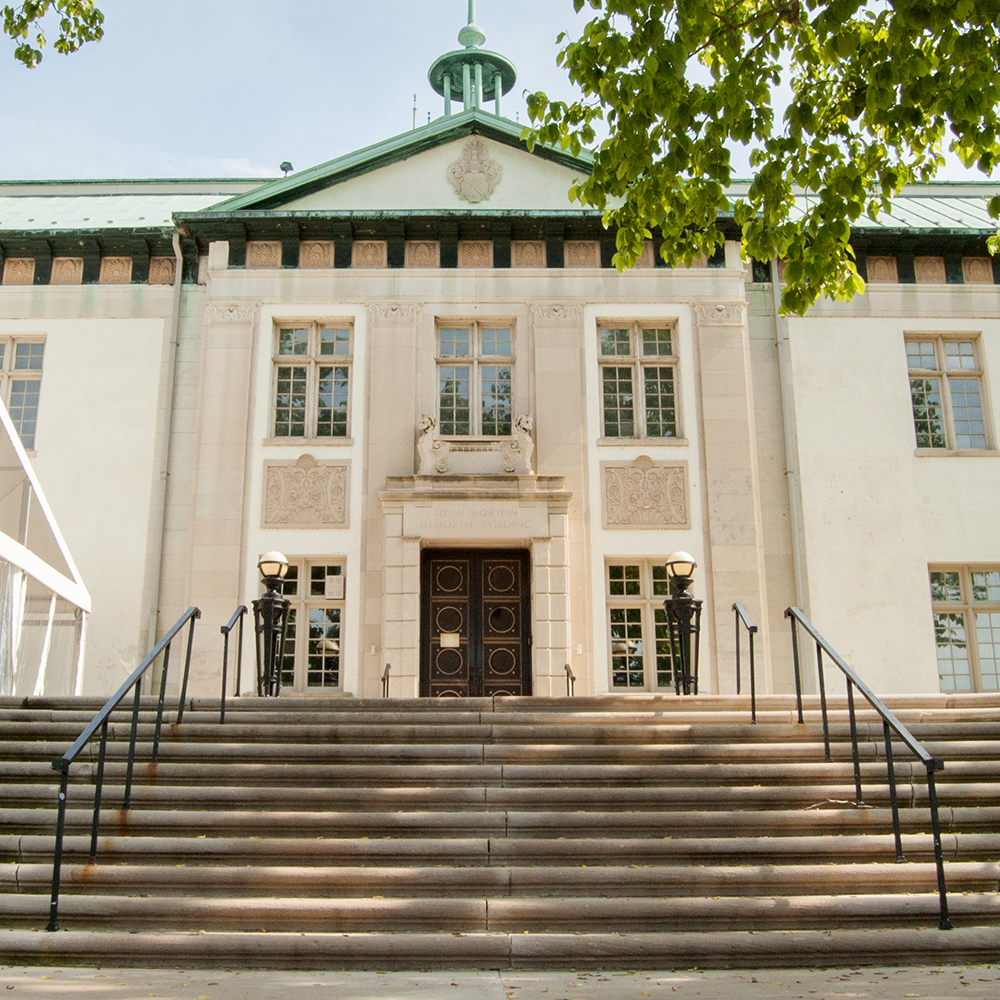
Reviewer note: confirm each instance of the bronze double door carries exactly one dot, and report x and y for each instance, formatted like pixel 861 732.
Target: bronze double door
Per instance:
pixel 475 621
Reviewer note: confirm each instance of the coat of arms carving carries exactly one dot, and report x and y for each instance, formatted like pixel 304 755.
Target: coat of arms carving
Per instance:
pixel 475 176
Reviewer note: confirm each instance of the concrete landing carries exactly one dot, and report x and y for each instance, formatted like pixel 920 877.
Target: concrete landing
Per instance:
pixel 924 983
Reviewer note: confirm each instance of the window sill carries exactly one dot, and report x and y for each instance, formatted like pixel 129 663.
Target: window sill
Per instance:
pixel 956 453
pixel 647 442
pixel 303 442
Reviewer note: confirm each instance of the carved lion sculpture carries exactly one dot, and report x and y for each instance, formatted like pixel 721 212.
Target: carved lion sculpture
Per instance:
pixel 433 452
pixel 523 426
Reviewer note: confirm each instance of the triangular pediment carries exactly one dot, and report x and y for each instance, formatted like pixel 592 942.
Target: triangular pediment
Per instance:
pixel 468 162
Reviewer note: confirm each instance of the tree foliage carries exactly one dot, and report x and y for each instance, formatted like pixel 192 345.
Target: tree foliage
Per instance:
pixel 875 89
pixel 79 21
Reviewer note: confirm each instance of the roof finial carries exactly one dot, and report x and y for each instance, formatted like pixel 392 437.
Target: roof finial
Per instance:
pixel 472 36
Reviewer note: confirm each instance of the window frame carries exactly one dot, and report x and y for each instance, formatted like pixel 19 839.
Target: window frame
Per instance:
pixel 945 376
pixel 313 360
pixel 475 360
pixel 9 374
pixel 638 362
pixel 968 607
pixel 653 587
pixel 295 678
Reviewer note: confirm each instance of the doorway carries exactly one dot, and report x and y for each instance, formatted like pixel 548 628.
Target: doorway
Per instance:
pixel 474 623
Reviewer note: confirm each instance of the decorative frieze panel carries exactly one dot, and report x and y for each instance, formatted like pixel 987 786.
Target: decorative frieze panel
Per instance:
pixel 475 253
pixel 977 270
pixel 393 312
pixel 116 271
pixel 648 256
pixel 66 271
pixel 19 271
pixel 316 253
pixel 263 253
pixel 306 493
pixel 237 312
pixel 645 494
pixel 161 270
pixel 582 253
pixel 556 315
pixel 929 270
pixel 475 175
pixel 422 253
pixel 719 314
pixel 882 270
pixel 369 253
pixel 527 253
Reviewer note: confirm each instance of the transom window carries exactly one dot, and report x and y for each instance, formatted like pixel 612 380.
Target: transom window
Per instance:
pixel 638 380
pixel 475 366
pixel 639 647
pixel 311 657
pixel 946 392
pixel 21 376
pixel 966 605
pixel 312 367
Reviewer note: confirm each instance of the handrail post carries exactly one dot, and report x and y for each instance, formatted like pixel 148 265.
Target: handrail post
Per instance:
pixel 239 655
pixel 131 748
pixel 98 788
pixel 57 855
pixel 159 704
pixel 859 801
pixel 753 683
pixel 946 924
pixel 893 800
pixel 225 669
pixel 795 661
pixel 570 681
pixel 187 667
pixel 822 701
pixel 737 617
pixel 385 680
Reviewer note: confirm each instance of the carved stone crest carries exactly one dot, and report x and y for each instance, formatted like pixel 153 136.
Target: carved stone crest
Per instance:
pixel 236 312
pixel 393 312
pixel 305 493
pixel 645 494
pixel 474 175
pixel 556 314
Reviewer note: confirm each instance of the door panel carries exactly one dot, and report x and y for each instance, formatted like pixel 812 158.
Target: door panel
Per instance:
pixel 474 623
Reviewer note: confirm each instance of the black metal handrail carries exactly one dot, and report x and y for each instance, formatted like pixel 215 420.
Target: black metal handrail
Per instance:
pixel 238 616
pixel 742 618
pixel 385 680
pixel 570 681
pixel 100 721
pixel 890 725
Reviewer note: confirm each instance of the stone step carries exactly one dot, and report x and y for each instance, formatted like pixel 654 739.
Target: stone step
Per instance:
pixel 536 880
pixel 351 950
pixel 484 850
pixel 514 915
pixel 836 820
pixel 229 797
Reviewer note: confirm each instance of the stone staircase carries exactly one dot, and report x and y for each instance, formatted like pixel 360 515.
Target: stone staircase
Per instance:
pixel 629 832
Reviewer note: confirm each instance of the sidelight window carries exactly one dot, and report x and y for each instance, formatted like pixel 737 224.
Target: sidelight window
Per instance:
pixel 966 604
pixel 311 658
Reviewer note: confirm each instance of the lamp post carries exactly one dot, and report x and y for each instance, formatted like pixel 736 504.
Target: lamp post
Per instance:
pixel 270 615
pixel 684 620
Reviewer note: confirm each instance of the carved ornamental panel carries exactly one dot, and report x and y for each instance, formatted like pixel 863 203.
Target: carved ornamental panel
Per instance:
pixel 263 253
pixel 422 253
pixel 645 494
pixel 882 270
pixel 929 270
pixel 369 253
pixel 19 271
pixel 66 271
pixel 582 253
pixel 977 270
pixel 115 270
pixel 316 253
pixel 306 493
pixel 161 270
pixel 527 253
pixel 475 253
pixel 648 256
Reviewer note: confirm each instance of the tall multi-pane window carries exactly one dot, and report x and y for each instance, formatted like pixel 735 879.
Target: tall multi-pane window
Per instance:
pixel 639 648
pixel 638 380
pixel 21 372
pixel 966 605
pixel 311 657
pixel 312 368
pixel 946 378
pixel 475 367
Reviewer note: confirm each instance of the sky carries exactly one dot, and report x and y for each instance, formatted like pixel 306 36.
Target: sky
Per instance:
pixel 232 88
